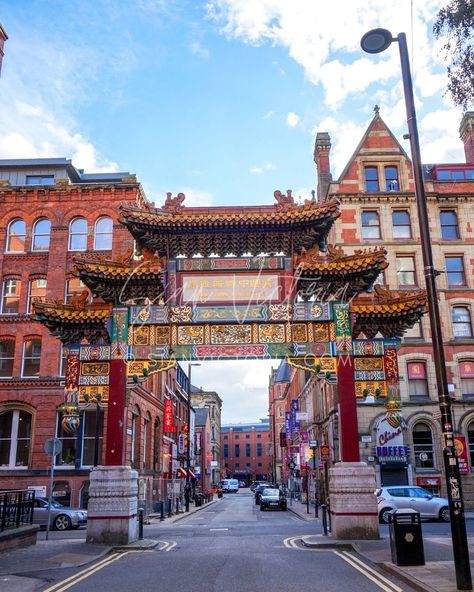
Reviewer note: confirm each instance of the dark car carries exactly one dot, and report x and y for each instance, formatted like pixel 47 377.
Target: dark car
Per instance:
pixel 258 490
pixel 272 499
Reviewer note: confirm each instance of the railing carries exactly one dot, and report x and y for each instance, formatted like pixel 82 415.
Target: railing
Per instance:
pixel 16 508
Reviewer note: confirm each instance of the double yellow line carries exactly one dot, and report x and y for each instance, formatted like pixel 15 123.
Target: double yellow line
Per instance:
pixel 85 573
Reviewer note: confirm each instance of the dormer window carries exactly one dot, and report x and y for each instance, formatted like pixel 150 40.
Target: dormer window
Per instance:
pixel 391 179
pixel 371 179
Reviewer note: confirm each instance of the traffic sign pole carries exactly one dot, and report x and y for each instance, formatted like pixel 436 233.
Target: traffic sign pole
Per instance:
pixel 53 447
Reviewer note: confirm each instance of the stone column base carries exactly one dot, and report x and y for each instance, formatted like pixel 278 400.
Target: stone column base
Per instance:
pixel 112 509
pixel 353 502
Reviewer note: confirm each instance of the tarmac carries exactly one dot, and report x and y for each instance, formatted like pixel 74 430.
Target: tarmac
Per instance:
pixel 19 567
pixel 437 575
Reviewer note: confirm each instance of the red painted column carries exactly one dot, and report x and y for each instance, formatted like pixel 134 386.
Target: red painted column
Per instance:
pixel 115 449
pixel 348 427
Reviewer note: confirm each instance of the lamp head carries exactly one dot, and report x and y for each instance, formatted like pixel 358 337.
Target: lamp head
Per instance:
pixel 376 41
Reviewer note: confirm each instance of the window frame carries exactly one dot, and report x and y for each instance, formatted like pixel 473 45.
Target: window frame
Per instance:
pixel 11 341
pixel 365 226
pixel 394 226
pixel 461 272
pixel 49 178
pixel 14 439
pixel 36 234
pixel 429 464
pixel 368 181
pixel 24 357
pixel 396 180
pixel 17 282
pixel 29 300
pixel 415 382
pixel 443 226
pixel 72 234
pixel 8 248
pixel 409 271
pixel 458 323
pixel 103 234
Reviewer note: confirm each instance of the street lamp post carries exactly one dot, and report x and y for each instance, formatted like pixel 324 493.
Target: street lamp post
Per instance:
pixel 376 41
pixel 187 492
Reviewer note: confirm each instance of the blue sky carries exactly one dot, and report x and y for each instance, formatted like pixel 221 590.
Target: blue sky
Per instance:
pixel 220 100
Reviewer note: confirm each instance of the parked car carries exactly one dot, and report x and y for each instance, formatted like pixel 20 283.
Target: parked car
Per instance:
pixel 272 499
pixel 62 517
pixel 255 484
pixel 408 496
pixel 258 491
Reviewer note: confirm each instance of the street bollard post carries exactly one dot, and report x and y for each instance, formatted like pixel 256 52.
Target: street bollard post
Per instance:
pixel 140 524
pixel 177 505
pixel 324 519
pixel 169 508
pixel 316 513
pixel 162 510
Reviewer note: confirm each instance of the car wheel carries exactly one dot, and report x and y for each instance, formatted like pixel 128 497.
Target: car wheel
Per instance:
pixel 444 515
pixel 62 522
pixel 383 516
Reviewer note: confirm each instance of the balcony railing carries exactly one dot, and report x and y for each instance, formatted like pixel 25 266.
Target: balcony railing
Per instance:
pixel 16 508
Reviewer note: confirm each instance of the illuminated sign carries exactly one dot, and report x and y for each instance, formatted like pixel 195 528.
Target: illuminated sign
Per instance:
pixel 168 416
pixel 230 288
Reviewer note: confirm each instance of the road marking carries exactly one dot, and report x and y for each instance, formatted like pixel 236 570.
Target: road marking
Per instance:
pixel 367 571
pixel 291 542
pixel 218 529
pixel 85 573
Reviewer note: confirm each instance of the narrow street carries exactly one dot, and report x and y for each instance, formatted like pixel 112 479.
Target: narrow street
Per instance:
pixel 230 546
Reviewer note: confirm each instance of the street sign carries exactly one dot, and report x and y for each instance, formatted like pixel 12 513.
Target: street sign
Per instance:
pixel 53 446
pixel 325 452
pixel 313 443
pixel 291 465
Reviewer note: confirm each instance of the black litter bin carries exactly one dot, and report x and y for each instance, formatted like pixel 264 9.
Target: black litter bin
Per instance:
pixel 406 537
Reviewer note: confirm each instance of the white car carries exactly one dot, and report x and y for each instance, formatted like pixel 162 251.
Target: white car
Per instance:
pixel 409 496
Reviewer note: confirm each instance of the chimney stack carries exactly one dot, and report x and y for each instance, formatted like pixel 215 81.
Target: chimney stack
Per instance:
pixel 466 132
pixel 3 38
pixel 322 148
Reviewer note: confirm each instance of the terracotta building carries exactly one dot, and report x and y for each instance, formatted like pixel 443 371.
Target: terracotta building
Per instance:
pixel 377 205
pixel 246 451
pixel 51 214
pixel 203 456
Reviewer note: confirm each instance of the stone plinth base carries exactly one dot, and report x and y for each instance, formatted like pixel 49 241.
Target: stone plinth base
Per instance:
pixel 112 509
pixel 353 503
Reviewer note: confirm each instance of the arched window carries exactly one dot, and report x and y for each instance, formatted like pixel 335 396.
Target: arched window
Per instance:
pixel 11 293
pixel 7 357
pixel 16 236
pixel 146 439
pixel 78 235
pixel 31 358
pixel 41 235
pixel 103 234
pixel 15 436
pixel 134 448
pixel 461 317
pixel 423 446
pixel 36 293
pixel 370 225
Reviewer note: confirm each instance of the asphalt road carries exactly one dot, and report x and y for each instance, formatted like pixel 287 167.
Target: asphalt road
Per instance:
pixel 231 546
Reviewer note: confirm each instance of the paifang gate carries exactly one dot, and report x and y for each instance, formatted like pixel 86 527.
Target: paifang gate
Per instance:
pixel 224 283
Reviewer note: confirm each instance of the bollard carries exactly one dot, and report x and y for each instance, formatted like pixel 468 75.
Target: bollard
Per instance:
pixel 316 514
pixel 169 508
pixel 324 519
pixel 329 518
pixel 140 524
pixel 177 505
pixel 162 511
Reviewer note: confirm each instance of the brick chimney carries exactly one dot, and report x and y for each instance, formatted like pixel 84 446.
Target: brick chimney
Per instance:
pixel 3 38
pixel 466 132
pixel 322 148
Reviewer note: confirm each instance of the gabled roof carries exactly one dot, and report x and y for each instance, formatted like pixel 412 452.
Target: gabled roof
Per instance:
pixel 377 124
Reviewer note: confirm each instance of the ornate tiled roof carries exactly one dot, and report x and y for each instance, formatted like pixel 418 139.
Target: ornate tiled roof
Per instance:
pixel 74 322
pixel 122 279
pixel 337 273
pixel 389 312
pixel 284 227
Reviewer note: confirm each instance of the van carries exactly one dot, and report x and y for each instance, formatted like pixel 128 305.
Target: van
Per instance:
pixel 230 485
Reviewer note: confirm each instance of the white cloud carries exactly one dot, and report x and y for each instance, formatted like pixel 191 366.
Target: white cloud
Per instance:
pixel 269 114
pixel 268 166
pixel 241 384
pixel 198 50
pixel 292 119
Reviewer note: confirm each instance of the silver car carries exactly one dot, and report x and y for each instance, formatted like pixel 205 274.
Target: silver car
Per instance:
pixel 409 496
pixel 62 517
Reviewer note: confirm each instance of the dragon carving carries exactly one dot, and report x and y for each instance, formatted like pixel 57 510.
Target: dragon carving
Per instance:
pixel 174 204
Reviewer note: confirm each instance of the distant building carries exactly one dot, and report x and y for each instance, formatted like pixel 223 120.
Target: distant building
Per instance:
pixel 211 401
pixel 246 450
pixel 203 456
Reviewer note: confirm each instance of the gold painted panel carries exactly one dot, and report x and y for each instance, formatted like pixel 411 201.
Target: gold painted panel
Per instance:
pixel 191 335
pixel 271 333
pixel 320 332
pixel 299 332
pixel 228 334
pixel 95 368
pixel 363 364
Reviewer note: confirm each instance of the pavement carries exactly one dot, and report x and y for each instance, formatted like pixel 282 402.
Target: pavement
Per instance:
pixel 435 576
pixel 19 565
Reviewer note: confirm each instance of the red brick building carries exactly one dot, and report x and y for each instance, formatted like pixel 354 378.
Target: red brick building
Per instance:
pixel 246 451
pixel 49 213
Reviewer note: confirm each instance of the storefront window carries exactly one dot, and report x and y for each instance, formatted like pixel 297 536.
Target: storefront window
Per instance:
pixel 423 446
